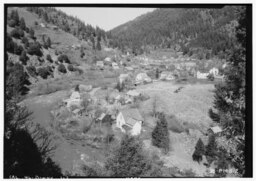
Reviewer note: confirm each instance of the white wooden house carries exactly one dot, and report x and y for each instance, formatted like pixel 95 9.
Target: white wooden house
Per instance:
pixel 200 75
pixel 129 120
pixel 214 71
pixel 74 100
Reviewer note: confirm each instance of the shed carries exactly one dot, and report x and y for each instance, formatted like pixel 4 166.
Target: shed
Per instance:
pixel 216 130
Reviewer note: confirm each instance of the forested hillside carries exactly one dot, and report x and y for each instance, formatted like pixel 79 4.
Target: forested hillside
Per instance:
pixel 68 23
pixel 205 32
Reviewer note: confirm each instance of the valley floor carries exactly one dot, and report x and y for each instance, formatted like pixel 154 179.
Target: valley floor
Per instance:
pixel 190 105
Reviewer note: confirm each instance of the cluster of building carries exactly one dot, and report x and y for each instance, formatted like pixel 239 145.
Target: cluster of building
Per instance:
pixel 129 120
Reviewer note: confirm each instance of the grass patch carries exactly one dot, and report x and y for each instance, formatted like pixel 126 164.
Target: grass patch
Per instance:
pixel 174 124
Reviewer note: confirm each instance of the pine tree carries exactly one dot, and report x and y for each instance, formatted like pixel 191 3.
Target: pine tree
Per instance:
pixel 128 160
pixel 199 151
pixel 211 148
pixel 23 57
pixel 48 42
pixel 22 24
pixel 157 73
pixel 31 33
pixel 98 45
pixel 160 134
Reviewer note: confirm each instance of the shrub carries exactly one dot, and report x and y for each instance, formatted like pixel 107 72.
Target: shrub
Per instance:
pixel 63 58
pixel 71 68
pixel 210 77
pixel 34 49
pixel 160 134
pixel 17 33
pixel 199 151
pixel 12 23
pixel 62 68
pixel 175 125
pixel 31 70
pixel 17 49
pixel 23 57
pixel 80 71
pixel 43 72
pixel 49 58
pixel 48 42
pixel 24 40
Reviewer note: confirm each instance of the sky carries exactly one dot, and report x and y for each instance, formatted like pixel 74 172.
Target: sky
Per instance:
pixel 105 18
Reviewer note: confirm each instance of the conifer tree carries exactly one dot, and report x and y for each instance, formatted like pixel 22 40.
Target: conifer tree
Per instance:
pixel 211 148
pixel 23 57
pixel 199 151
pixel 22 24
pixel 48 42
pixel 98 45
pixel 160 134
pixel 128 160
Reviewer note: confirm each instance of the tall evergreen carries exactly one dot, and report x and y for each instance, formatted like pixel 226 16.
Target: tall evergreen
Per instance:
pixel 22 24
pixel 128 160
pixel 230 96
pixel 160 134
pixel 199 151
pixel 211 148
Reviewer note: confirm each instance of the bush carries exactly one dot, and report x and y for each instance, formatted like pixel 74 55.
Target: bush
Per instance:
pixel 12 23
pixel 62 68
pixel 210 77
pixel 23 57
pixel 120 86
pixel 17 33
pixel 17 49
pixel 80 71
pixel 34 49
pixel 175 125
pixel 49 58
pixel 24 40
pixel 32 71
pixel 71 68
pixel 63 58
pixel 43 72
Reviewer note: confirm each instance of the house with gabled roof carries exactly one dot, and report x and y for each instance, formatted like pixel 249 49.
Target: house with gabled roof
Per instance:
pixel 129 120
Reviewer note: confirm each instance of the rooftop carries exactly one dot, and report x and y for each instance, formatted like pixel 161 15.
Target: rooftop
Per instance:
pixel 131 113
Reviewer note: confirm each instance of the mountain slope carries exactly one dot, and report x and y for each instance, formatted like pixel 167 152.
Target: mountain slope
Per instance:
pixel 187 30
